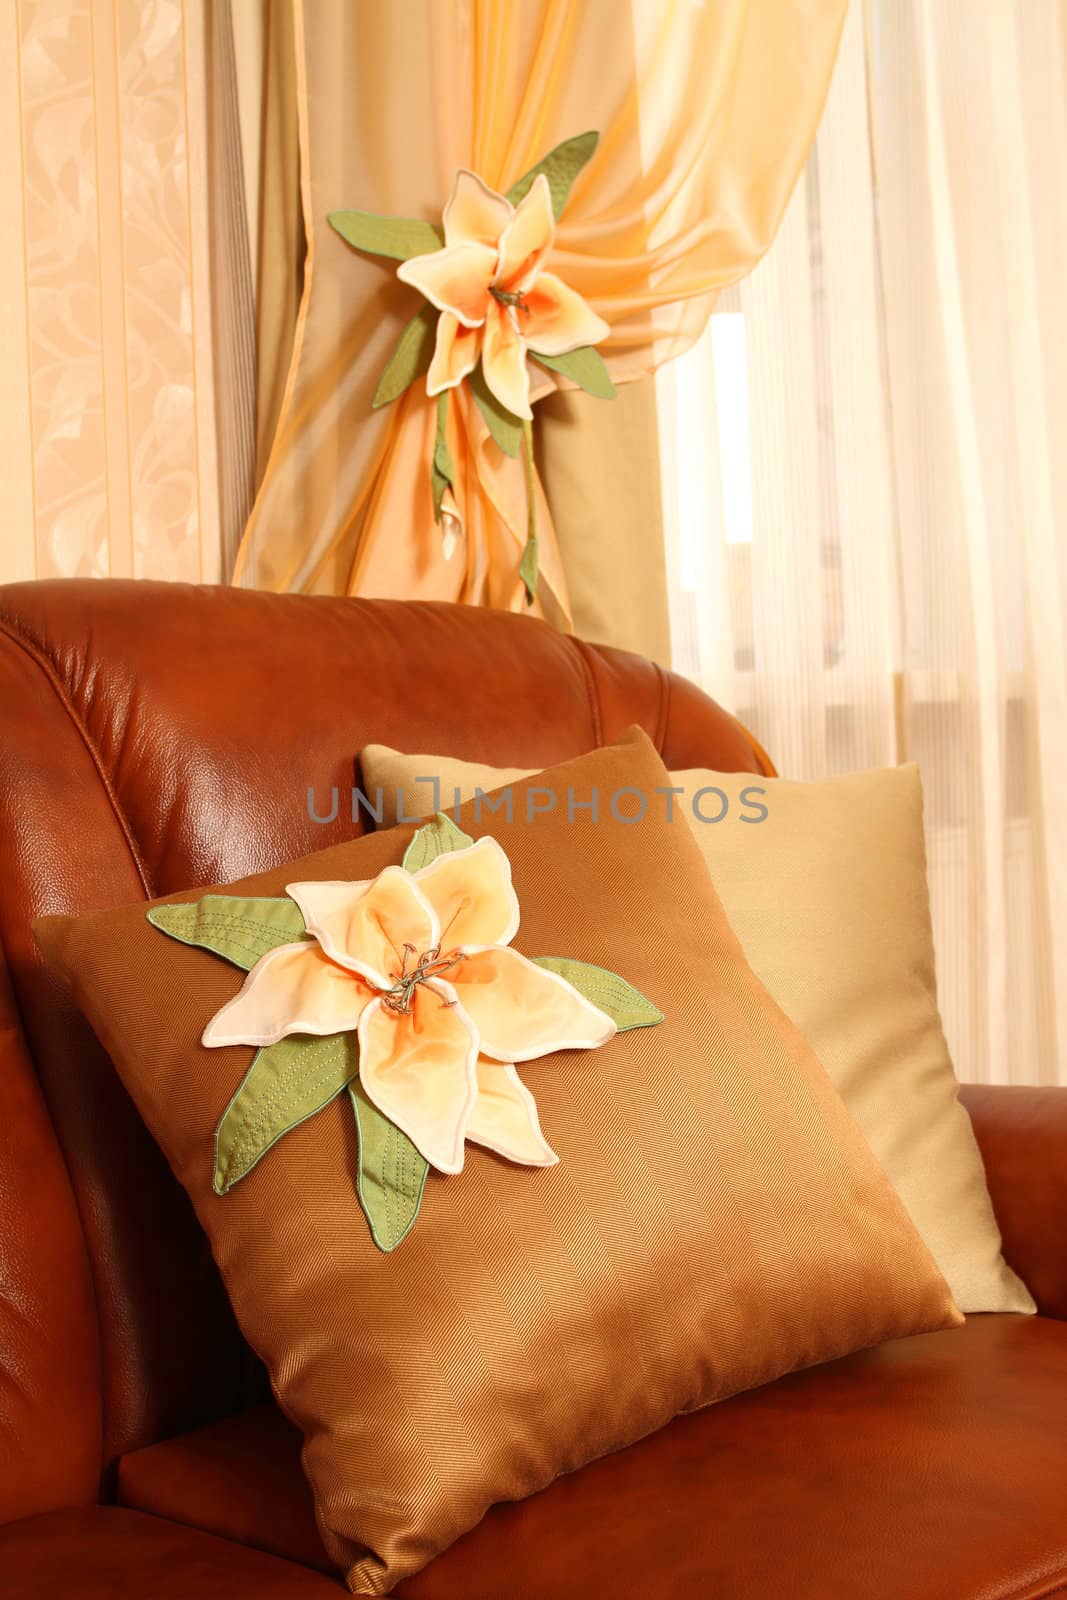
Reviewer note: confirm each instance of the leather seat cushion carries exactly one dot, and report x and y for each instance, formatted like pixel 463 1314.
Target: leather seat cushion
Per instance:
pixel 240 1478
pixel 933 1468
pixel 102 1552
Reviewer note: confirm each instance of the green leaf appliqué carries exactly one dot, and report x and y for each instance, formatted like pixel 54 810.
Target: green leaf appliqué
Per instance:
pixel 433 839
pixel 411 357
pixel 529 562
pixel 622 1002
pixel 528 567
pixel 392 1173
pixel 503 425
pixel 443 471
pixel 400 238
pixel 561 166
pixel 239 929
pixel 286 1083
pixel 585 367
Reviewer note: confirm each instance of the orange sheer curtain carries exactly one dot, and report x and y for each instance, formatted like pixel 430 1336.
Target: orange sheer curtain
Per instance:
pixel 705 113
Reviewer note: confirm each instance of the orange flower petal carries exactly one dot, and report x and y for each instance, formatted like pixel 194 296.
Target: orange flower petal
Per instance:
pixel 420 1070
pixel 556 319
pixel 505 1117
pixel 471 893
pixel 527 239
pixel 475 213
pixel 454 279
pixel 365 926
pixel 455 354
pixel 293 989
pixel 504 361
pixel 522 1010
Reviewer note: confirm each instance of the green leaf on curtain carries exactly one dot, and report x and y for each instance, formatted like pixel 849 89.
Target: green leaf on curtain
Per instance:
pixel 392 1173
pixel 505 428
pixel 442 471
pixel 411 357
pixel 621 1001
pixel 585 367
pixel 287 1083
pixel 237 928
pixel 528 568
pixel 561 166
pixel 437 838
pixel 528 565
pixel 400 238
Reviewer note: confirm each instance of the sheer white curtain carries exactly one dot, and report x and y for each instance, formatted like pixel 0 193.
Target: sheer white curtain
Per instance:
pixel 865 479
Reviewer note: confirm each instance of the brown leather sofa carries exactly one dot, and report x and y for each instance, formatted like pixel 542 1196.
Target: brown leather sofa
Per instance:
pixel 154 737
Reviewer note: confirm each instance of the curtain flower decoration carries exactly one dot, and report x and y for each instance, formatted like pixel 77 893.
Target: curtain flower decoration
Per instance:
pixel 496 300
pixel 403 989
pixel 490 306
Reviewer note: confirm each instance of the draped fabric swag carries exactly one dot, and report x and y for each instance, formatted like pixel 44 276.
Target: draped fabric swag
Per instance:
pixel 705 114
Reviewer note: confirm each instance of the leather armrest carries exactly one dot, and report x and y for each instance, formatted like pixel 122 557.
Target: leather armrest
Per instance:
pixel 1022 1134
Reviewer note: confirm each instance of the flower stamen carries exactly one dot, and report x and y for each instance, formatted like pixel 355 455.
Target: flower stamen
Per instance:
pixel 510 298
pixel 430 964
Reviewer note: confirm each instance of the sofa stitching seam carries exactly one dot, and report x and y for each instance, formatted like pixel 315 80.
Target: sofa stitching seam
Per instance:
pixel 48 671
pixel 590 690
pixel 1030 1593
pixel 665 692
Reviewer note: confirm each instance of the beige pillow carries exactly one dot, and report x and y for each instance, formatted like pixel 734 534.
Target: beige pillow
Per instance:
pixel 825 885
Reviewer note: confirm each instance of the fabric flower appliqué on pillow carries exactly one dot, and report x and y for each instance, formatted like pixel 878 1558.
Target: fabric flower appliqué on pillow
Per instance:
pixel 403 989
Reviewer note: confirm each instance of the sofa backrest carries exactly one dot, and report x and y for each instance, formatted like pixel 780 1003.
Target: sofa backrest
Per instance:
pixel 159 737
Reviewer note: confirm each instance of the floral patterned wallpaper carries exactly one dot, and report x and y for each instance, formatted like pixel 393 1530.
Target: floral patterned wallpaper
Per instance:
pixel 105 293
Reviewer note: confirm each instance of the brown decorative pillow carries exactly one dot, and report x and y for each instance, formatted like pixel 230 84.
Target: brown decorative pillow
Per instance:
pixel 715 1218
pixel 825 886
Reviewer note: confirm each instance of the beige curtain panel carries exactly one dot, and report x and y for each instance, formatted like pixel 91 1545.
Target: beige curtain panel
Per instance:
pixel 705 115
